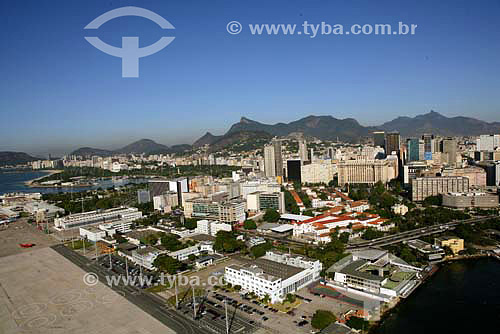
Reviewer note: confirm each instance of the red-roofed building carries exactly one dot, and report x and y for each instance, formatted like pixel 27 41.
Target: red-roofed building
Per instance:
pixel 319 228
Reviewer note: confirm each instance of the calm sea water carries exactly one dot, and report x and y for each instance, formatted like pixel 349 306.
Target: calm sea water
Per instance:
pixel 15 182
pixel 462 297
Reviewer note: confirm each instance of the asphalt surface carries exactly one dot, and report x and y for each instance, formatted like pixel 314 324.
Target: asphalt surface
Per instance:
pixel 414 234
pixel 152 304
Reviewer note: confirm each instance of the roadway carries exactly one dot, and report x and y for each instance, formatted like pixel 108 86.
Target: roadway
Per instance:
pixel 383 241
pixel 150 303
pixel 413 234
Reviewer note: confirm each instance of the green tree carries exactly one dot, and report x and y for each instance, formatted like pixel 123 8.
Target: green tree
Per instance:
pixel 447 250
pixel 290 298
pixel 357 323
pixel 249 225
pixel 371 233
pixel 260 250
pixel 433 200
pixel 271 216
pixel 168 264
pixel 322 318
pixel 151 239
pixel 308 213
pixel 171 242
pixel 344 237
pixel 225 241
pixel 190 223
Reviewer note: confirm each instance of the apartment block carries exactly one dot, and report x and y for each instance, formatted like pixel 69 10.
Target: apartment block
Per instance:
pixel 423 187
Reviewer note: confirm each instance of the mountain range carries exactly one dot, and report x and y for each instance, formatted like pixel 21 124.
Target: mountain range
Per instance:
pixel 15 158
pixel 247 133
pixel 147 146
pixel 349 129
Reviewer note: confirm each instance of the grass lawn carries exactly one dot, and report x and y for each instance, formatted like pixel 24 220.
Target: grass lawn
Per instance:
pixel 159 288
pixel 286 306
pixel 78 244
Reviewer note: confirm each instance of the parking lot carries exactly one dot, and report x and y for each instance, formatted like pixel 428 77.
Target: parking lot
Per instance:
pixel 297 320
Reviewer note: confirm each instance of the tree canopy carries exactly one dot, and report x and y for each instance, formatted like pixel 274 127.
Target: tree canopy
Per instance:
pixel 249 225
pixel 322 318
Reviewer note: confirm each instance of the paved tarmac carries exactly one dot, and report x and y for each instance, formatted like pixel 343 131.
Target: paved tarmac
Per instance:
pixel 43 293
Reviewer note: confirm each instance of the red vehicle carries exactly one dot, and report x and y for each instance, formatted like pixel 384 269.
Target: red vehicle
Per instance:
pixel 26 245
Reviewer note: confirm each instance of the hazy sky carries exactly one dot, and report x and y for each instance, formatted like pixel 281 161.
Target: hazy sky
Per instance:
pixel 59 93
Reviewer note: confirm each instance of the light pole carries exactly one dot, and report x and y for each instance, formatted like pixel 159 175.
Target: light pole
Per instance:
pixel 126 266
pixel 176 297
pixel 194 303
pixel 227 320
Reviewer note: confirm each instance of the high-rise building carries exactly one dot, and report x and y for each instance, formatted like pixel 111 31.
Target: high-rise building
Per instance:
pixel 423 187
pixel 428 146
pixel 449 149
pixel 293 170
pixel 269 163
pixel 413 149
pixel 497 174
pixel 331 153
pixel 392 143
pixel 379 138
pixel 261 201
pixel 488 142
pixel 278 157
pixel 303 150
pixel 320 171
pixel 367 171
pixel 159 187
pixel 273 160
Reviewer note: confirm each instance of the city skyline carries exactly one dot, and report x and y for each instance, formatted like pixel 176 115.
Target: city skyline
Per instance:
pixel 62 93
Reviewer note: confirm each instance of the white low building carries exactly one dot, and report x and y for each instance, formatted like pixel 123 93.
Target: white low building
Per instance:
pixel 96 217
pixel 92 233
pixel 120 226
pixel 145 256
pixel 376 273
pixel 210 227
pixel 400 209
pixel 271 278
pixel 204 247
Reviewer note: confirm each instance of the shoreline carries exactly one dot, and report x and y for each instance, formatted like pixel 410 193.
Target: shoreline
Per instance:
pixel 394 310
pixel 50 172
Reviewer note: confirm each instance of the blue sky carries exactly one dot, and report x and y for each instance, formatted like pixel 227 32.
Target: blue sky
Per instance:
pixel 59 93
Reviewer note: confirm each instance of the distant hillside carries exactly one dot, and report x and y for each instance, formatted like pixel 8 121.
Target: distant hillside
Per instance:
pixel 146 146
pixel 15 158
pixel 322 127
pixel 206 139
pixel 179 148
pixel 240 141
pixel 89 151
pixel 436 123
